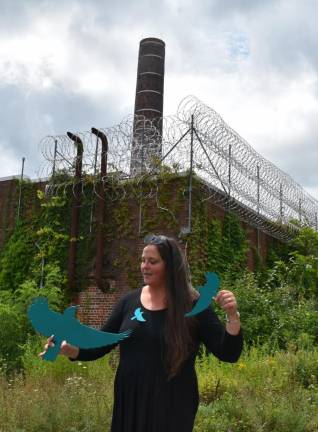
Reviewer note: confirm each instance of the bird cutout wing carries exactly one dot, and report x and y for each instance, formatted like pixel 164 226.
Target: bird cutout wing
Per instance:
pixel 138 315
pixel 207 292
pixel 87 337
pixel 43 319
pixel 66 327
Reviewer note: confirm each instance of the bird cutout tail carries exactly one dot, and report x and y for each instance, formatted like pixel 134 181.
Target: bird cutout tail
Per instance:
pixel 53 351
pixel 207 293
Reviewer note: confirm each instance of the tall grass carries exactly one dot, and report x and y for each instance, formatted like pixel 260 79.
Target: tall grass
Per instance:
pixel 68 397
pixel 260 393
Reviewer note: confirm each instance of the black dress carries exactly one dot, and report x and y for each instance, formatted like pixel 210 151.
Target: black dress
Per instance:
pixel 144 399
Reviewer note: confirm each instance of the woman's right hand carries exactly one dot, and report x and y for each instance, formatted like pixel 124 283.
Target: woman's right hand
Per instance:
pixel 66 349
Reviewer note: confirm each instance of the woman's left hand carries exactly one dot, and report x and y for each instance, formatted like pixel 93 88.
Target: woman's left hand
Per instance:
pixel 227 301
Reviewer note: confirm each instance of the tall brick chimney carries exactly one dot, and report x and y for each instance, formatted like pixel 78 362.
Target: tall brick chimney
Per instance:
pixel 147 143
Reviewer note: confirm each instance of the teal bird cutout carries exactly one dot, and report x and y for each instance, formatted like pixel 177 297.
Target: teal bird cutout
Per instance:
pixel 207 292
pixel 65 326
pixel 138 315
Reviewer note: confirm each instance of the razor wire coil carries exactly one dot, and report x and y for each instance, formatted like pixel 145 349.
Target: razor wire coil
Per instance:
pixel 234 175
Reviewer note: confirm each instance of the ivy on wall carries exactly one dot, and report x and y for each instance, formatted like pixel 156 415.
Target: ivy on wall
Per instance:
pixel 215 246
pixel 36 254
pixel 211 245
pixel 16 258
pixel 7 210
pixel 234 246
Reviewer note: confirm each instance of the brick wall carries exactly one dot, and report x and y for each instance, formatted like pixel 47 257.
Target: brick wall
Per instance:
pixel 95 305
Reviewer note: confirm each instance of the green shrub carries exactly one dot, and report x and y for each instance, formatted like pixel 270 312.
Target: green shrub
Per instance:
pixel 10 338
pixel 274 316
pixel 306 369
pixel 268 393
pixel 16 259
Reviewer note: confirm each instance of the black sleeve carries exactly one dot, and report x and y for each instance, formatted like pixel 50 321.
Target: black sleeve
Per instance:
pixel 216 339
pixel 112 325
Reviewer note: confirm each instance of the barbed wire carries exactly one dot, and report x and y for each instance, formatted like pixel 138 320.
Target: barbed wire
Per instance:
pixel 233 175
pixel 243 173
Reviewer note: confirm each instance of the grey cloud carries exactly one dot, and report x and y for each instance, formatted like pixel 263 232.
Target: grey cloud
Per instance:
pixel 221 8
pixel 284 38
pixel 25 120
pixel 280 36
pixel 299 156
pixel 277 38
pixel 16 16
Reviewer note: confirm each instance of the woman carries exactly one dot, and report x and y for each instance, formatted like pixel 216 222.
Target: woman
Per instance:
pixel 156 385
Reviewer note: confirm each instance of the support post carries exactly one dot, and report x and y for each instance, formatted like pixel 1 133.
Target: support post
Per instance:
pixel 258 206
pixel 281 202
pixel 54 160
pixel 20 190
pixel 230 166
pixel 142 171
pixel 258 189
pixel 190 177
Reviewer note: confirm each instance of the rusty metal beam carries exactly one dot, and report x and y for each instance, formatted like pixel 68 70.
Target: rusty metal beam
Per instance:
pixel 100 216
pixel 76 202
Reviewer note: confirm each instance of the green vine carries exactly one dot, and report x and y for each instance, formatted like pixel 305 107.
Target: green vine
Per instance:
pixel 212 245
pixel 8 212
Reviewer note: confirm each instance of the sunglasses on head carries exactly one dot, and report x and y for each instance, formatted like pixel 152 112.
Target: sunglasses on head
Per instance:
pixel 155 239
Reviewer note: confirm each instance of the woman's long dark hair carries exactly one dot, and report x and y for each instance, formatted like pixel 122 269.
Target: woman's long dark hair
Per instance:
pixel 179 330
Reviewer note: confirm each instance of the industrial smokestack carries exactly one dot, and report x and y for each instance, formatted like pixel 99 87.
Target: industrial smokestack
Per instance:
pixel 146 146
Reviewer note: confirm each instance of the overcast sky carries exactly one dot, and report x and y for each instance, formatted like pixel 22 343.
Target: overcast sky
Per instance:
pixel 71 64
